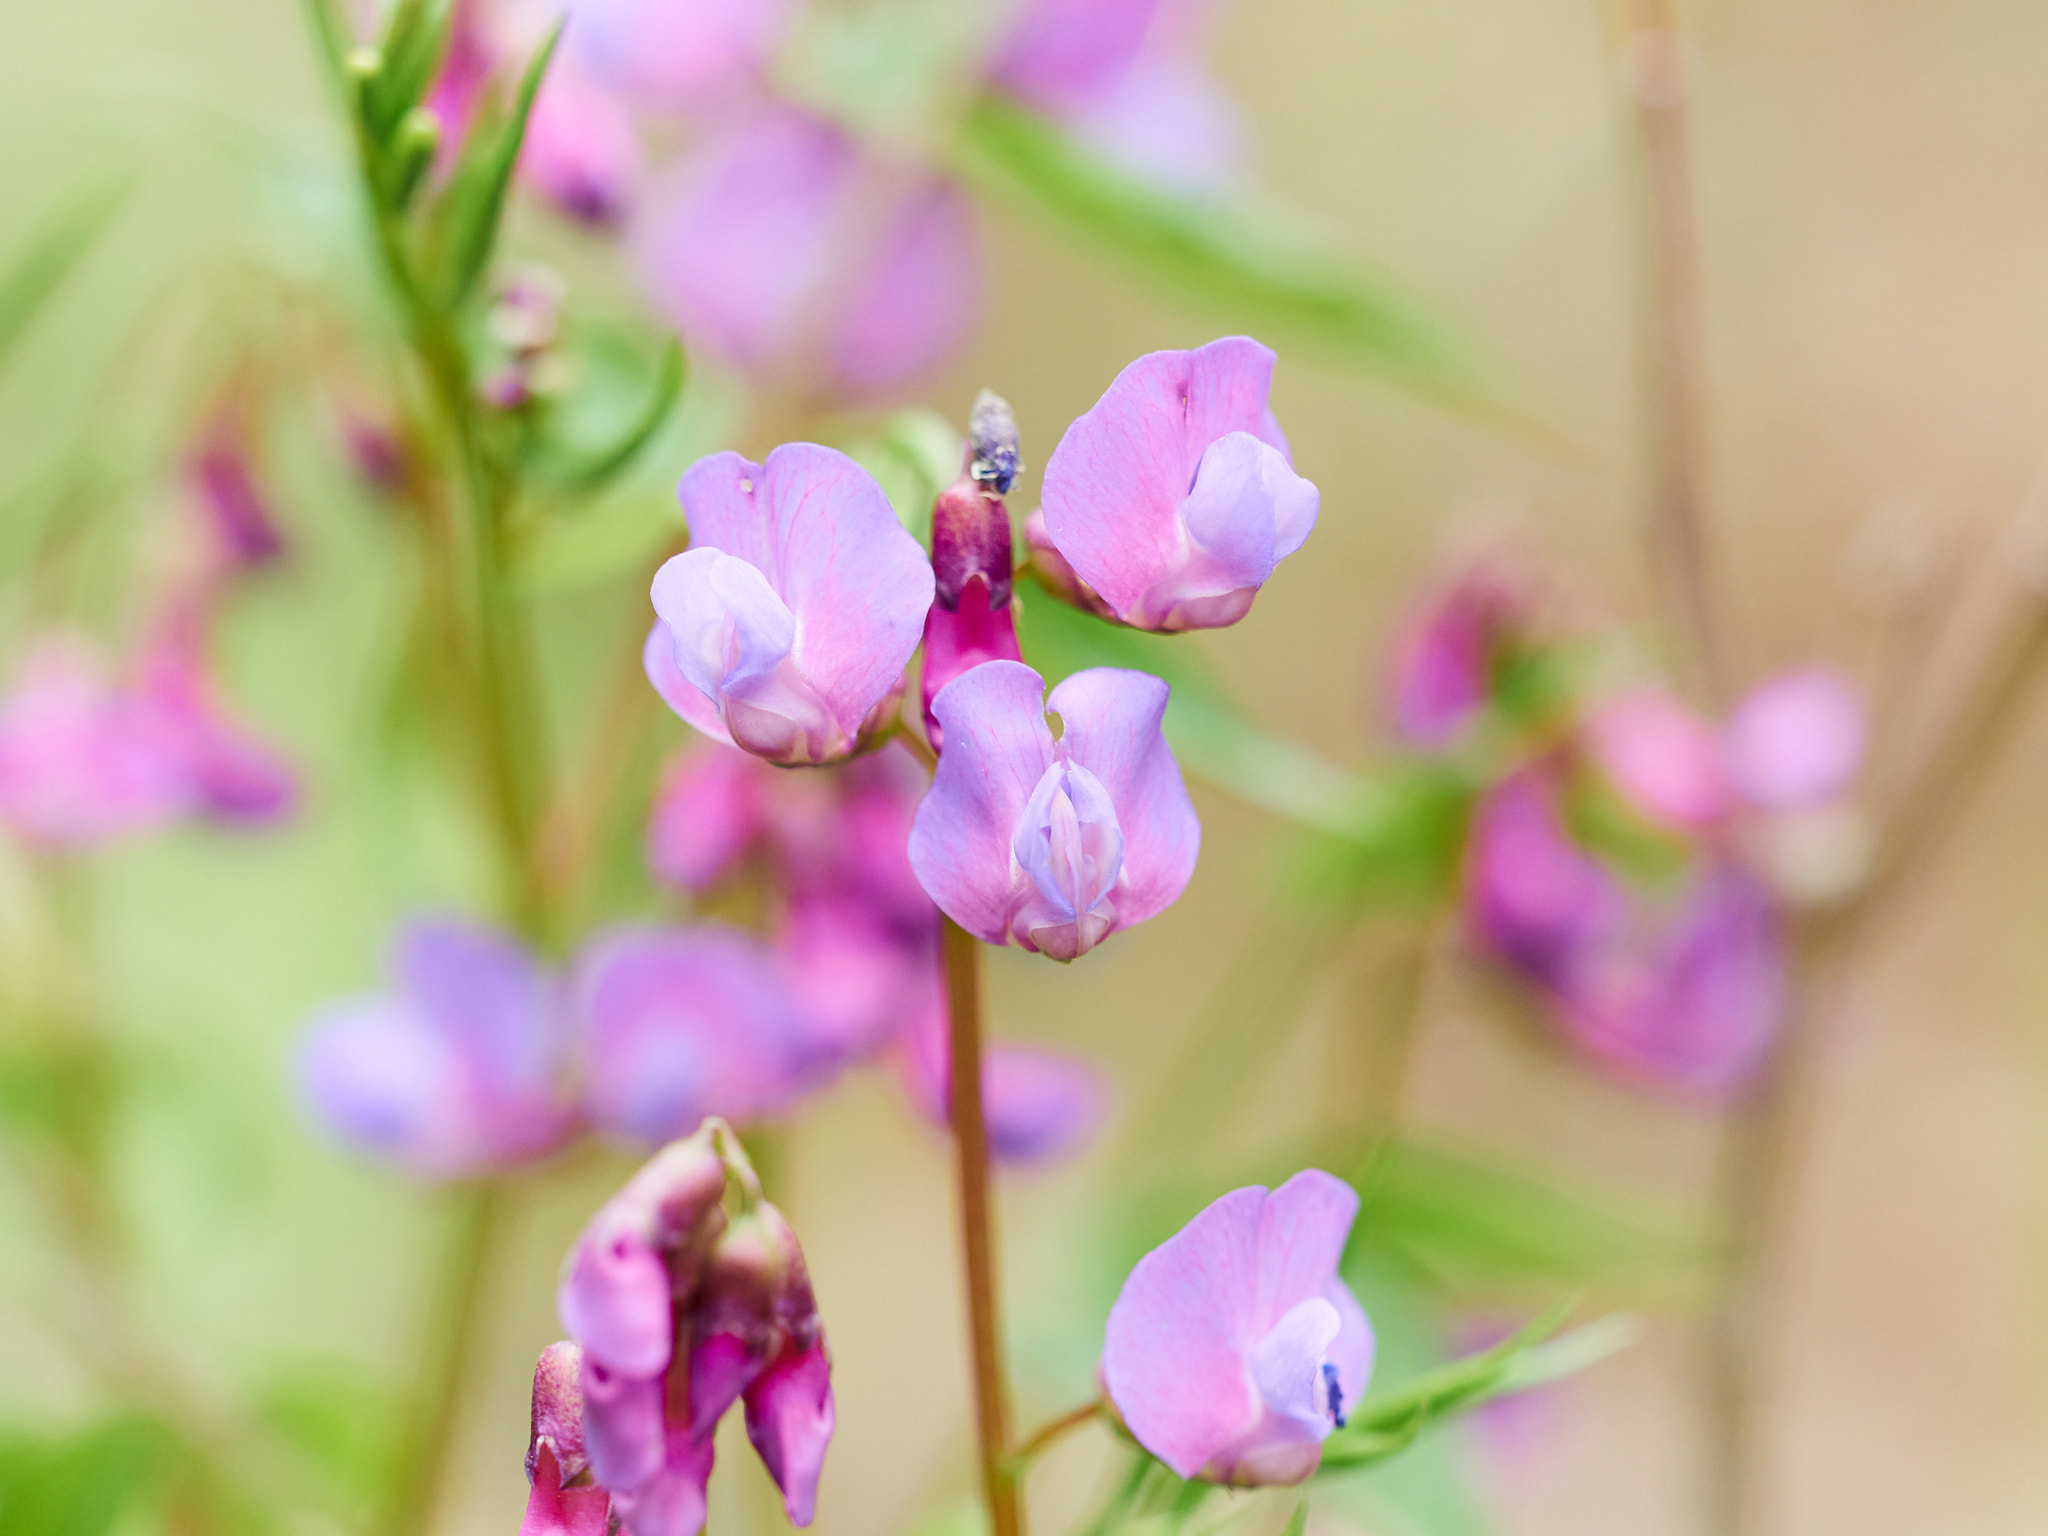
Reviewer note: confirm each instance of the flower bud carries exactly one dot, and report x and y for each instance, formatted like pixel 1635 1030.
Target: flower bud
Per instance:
pixel 971 619
pixel 563 1500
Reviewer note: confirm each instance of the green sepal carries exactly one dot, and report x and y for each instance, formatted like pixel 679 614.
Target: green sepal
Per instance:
pixel 404 163
pixel 409 55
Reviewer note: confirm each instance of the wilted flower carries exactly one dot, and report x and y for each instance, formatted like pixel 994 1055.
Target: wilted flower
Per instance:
pixel 459 1070
pixel 681 1311
pixel 681 1023
pixel 1234 1348
pixel 787 624
pixel 1054 844
pixel 781 247
pixel 1172 498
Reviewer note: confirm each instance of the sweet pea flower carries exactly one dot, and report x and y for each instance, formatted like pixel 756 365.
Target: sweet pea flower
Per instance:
pixel 1533 897
pixel 682 1310
pixel 1054 844
pixel 232 775
pixel 1691 1000
pixel 1234 1348
pixel 678 1024
pixel 1663 756
pixel 456 1071
pixel 711 809
pixel 1172 498
pixel 786 626
pixel 1796 740
pixel 82 762
pixel 1447 656
pixel 780 247
pixel 562 1500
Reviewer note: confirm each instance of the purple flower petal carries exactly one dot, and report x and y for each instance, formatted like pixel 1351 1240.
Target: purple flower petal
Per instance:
pixel 1165 120
pixel 1661 755
pixel 917 295
pixel 622 1422
pixel 1113 724
pixel 681 1024
pixel 380 1076
pixel 680 55
pixel 1061 53
pixel 1532 896
pixel 1795 741
pixel 672 1502
pixel 998 747
pixel 1124 501
pixel 658 659
pixel 614 1300
pixel 790 1418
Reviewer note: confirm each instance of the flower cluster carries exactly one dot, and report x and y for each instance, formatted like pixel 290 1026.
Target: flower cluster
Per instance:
pixel 779 241
pixel 1630 860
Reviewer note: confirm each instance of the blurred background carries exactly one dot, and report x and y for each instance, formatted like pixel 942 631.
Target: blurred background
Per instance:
pixel 1873 203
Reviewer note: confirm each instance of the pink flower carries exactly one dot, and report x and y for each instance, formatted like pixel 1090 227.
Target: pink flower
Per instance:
pixel 786 625
pixel 1234 1348
pixel 678 1024
pixel 711 809
pixel 455 1072
pixel 242 526
pixel 80 761
pixel 1172 497
pixel 779 248
pixel 1054 844
pixel 1795 741
pixel 680 54
pixel 1663 757
pixel 681 1311
pixel 1063 53
pixel 232 775
pixel 1532 896
pixel 1447 657
pixel 558 1504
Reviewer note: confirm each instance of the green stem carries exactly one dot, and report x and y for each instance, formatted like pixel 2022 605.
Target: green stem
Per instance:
pixel 447 1351
pixel 977 1237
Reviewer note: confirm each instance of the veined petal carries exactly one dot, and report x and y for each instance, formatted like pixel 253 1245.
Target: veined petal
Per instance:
pixel 1302 1231
pixel 1115 485
pixel 1113 719
pixel 1068 841
pixel 658 660
pixel 614 1301
pixel 729 626
pixel 998 747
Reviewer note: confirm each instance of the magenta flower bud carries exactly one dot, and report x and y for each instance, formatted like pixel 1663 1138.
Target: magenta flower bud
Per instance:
pixel 1664 758
pixel 1533 898
pixel 1172 497
pixel 781 249
pixel 1448 652
pixel 1796 741
pixel 1234 1348
pixel 1054 844
pixel 970 620
pixel 785 627
pixel 454 1073
pixel 683 1311
pixel 239 517
pixel 562 1500
pixel 679 1024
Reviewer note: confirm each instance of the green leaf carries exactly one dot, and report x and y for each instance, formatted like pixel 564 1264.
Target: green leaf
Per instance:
pixel 41 264
pixel 1231 259
pixel 341 1423
pixel 1475 1227
pixel 83 1485
pixel 408 56
pixel 916 455
pixel 403 165
pixel 584 466
pixel 1386 1423
pixel 1211 737
pixel 467 219
pixel 604 540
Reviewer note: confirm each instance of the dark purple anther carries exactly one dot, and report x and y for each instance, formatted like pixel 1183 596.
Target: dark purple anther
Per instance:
pixel 1335 1394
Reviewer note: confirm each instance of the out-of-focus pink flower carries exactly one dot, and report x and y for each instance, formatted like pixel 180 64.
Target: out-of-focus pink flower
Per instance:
pixel 1795 741
pixel 1533 897
pixel 1663 757
pixel 1234 1348
pixel 1061 54
pixel 678 1024
pixel 779 246
pixel 786 626
pixel 1691 1000
pixel 1038 1105
pixel 242 527
pixel 1445 660
pixel 557 1504
pixel 233 776
pixel 970 620
pixel 680 55
pixel 680 1313
pixel 458 1070
pixel 1054 844
pixel 712 807
pixel 1172 497
pixel 82 762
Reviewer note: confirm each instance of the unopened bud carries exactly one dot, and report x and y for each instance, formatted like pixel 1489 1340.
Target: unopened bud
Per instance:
pixel 557 1423
pixel 970 538
pixel 992 430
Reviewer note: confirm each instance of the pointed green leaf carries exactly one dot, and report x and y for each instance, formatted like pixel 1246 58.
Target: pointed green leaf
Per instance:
pixel 410 53
pixel 84 1485
pixel 474 203
pixel 39 266
pixel 1230 259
